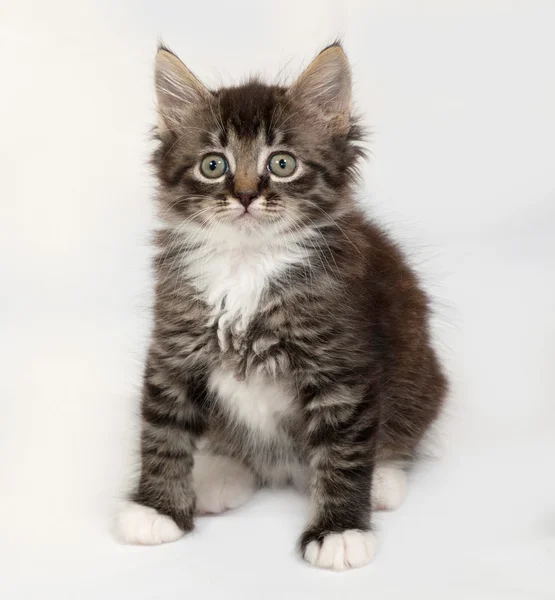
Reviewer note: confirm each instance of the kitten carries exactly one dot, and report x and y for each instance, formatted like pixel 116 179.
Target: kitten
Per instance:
pixel 291 340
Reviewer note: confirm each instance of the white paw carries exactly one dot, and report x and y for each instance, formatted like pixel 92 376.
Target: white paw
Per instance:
pixel 389 487
pixel 138 524
pixel 339 551
pixel 220 483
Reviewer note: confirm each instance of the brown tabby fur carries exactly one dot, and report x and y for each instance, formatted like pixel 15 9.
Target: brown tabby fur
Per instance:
pixel 344 329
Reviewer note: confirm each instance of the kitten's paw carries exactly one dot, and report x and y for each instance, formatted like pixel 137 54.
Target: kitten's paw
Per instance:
pixel 340 551
pixel 138 524
pixel 389 487
pixel 220 483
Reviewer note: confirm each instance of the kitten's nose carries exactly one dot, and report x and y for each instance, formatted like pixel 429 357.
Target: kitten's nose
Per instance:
pixel 246 197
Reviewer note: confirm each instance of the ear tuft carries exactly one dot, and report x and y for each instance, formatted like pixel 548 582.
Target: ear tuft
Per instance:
pixel 325 86
pixel 177 89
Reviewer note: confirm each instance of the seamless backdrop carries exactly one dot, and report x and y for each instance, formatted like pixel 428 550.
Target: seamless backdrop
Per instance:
pixel 460 98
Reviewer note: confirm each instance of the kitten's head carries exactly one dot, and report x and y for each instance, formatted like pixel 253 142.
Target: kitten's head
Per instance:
pixel 255 159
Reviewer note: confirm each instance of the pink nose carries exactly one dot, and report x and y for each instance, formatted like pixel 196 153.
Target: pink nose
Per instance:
pixel 245 198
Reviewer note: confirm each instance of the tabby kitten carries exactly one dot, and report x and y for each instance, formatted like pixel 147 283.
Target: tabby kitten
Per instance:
pixel 291 340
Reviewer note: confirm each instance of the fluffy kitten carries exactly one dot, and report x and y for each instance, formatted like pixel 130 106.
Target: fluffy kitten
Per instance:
pixel 290 339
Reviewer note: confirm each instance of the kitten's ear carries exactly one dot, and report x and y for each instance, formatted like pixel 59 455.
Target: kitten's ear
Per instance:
pixel 177 89
pixel 325 86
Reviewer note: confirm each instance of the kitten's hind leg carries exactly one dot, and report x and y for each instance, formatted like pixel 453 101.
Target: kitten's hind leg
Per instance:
pixel 389 486
pixel 220 483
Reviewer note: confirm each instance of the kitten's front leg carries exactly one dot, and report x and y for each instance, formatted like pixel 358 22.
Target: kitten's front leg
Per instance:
pixel 162 506
pixel 341 439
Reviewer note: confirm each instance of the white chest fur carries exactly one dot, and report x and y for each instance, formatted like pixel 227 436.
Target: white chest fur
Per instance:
pixel 256 402
pixel 231 273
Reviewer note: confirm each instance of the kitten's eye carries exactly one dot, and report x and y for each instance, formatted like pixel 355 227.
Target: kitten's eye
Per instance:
pixel 282 164
pixel 213 166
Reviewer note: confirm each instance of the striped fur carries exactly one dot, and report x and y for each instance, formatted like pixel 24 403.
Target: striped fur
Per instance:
pixel 292 337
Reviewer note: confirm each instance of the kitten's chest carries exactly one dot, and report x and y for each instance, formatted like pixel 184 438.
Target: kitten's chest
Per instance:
pixel 233 282
pixel 233 289
pixel 235 286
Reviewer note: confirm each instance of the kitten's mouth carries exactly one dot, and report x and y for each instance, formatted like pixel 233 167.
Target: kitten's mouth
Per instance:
pixel 250 218
pixel 245 217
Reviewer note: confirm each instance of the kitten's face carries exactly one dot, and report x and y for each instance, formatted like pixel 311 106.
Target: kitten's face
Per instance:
pixel 255 159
